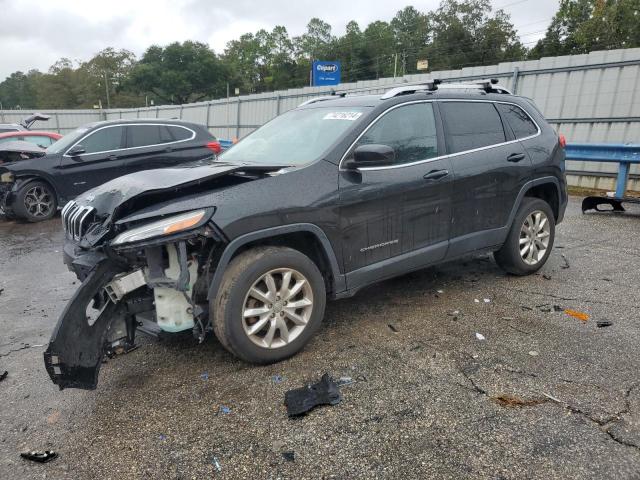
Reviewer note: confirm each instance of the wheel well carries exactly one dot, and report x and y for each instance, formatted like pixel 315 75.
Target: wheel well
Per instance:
pixel 549 193
pixel 306 243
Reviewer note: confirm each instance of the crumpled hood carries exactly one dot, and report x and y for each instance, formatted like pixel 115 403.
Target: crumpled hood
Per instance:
pixel 109 196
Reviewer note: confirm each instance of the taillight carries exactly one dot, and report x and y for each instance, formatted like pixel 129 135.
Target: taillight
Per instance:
pixel 562 140
pixel 215 146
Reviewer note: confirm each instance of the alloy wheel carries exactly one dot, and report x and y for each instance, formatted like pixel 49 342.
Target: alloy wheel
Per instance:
pixel 277 308
pixel 535 235
pixel 38 201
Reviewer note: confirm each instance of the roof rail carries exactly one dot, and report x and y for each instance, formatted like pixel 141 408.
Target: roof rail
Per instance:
pixel 323 98
pixel 488 86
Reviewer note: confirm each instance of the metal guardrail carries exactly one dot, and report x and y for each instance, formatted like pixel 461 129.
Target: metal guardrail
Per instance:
pixel 623 155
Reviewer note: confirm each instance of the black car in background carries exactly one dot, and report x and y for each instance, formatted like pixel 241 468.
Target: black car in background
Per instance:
pixel 91 155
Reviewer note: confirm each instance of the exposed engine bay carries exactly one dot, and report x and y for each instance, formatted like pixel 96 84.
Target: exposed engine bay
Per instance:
pixel 135 264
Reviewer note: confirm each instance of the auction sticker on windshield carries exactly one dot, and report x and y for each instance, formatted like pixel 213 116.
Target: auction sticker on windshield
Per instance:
pixel 351 116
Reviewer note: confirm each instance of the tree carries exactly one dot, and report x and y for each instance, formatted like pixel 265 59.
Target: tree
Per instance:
pixel 19 90
pixel 465 34
pixel 109 69
pixel 411 31
pixel 179 73
pixel 581 26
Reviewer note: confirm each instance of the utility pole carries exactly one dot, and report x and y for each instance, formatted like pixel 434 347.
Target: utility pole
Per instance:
pixel 106 87
pixel 395 65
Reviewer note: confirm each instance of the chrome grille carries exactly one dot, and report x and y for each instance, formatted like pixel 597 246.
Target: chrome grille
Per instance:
pixel 76 219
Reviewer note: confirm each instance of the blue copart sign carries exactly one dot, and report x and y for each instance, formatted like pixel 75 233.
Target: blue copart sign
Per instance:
pixel 326 73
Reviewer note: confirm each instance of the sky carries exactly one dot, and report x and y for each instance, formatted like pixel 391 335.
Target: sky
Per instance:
pixel 36 33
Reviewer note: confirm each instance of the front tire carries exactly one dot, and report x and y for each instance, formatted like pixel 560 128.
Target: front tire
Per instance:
pixel 270 302
pixel 530 239
pixel 35 202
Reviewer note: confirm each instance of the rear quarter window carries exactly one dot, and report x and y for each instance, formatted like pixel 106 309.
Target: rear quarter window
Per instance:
pixel 180 133
pixel 470 125
pixel 519 121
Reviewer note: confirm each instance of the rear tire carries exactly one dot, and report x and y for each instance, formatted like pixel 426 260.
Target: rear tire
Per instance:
pixel 269 304
pixel 35 202
pixel 530 238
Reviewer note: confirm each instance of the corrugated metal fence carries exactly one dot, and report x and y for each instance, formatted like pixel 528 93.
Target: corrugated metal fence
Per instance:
pixel 591 98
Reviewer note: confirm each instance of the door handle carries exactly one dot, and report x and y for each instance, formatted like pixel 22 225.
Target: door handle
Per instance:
pixel 112 157
pixel 515 157
pixel 436 174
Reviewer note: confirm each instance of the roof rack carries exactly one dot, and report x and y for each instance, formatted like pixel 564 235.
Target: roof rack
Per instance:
pixel 323 98
pixel 488 86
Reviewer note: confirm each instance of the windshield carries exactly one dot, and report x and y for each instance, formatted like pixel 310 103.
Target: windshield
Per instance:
pixel 66 141
pixel 296 137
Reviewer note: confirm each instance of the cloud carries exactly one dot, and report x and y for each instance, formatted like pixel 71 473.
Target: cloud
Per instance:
pixel 34 34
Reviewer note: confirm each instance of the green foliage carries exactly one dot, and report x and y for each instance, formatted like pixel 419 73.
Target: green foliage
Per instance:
pixel 179 73
pixel 581 26
pixel 459 33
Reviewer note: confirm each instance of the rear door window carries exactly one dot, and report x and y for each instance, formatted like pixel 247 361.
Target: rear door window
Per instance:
pixel 104 140
pixel 519 121
pixel 470 125
pixel 146 135
pixel 410 130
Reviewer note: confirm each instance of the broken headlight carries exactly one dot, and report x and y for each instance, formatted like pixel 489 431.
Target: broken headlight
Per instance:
pixel 159 228
pixel 7 177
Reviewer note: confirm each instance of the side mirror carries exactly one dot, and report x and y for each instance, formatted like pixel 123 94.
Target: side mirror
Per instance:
pixel 76 150
pixel 373 155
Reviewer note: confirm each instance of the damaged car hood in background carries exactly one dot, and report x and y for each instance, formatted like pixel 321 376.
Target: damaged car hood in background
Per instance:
pixel 109 196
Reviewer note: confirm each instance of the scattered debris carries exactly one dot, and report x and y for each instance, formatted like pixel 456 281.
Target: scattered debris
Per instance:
pixel 439 291
pixel 204 375
pixel 487 300
pixel 54 417
pixel 1 290
pixel 579 315
pixel 480 337
pixel 3 375
pixel 301 400
pixel 289 456
pixel 551 398
pixel 533 353
pixel 345 381
pixel 224 410
pixel 41 457
pixel 277 379
pixel 558 308
pixel 524 307
pixel 476 300
pixel 392 328
pixel 511 401
pixel 566 262
pixel 607 279
pixel 162 437
pixel 546 277
pixel 216 464
pixel 599 324
pixel 507 318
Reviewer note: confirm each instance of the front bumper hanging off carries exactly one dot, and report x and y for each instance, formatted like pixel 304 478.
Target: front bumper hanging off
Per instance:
pixel 76 349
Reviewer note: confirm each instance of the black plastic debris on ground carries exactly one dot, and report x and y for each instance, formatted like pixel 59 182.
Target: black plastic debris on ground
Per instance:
pixel 3 375
pixel 289 456
pixel 302 400
pixel 603 323
pixel 41 457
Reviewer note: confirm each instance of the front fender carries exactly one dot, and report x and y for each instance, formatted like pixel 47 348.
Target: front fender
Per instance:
pixel 339 280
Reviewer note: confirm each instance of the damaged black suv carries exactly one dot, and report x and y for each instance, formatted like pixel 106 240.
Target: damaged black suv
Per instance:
pixel 328 198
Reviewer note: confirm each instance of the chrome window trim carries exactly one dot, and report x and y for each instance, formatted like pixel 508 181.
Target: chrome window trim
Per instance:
pixel 441 157
pixel 193 135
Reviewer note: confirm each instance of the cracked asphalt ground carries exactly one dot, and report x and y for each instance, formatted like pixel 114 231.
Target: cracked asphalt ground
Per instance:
pixel 545 395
